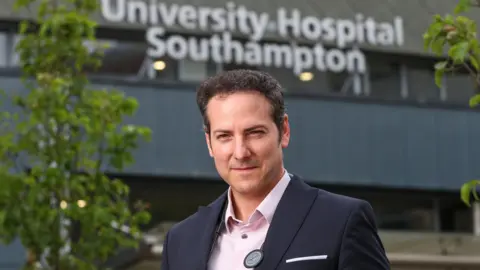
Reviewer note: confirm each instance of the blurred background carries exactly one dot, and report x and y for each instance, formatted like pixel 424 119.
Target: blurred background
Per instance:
pixel 367 118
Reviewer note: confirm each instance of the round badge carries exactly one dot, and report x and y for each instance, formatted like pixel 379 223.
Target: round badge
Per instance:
pixel 253 259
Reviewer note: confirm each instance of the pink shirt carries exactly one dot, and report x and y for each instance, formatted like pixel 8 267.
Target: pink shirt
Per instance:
pixel 239 238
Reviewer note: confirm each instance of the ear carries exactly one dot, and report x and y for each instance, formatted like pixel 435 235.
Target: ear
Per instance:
pixel 285 138
pixel 209 143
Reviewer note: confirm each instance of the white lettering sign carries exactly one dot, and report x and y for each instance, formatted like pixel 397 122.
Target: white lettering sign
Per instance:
pixel 222 22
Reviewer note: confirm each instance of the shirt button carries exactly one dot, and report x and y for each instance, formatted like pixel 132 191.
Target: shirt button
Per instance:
pixel 244 236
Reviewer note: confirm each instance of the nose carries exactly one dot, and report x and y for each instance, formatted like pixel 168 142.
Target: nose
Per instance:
pixel 241 150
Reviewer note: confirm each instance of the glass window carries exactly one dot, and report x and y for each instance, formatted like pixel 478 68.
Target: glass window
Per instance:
pixel 384 79
pixel 3 50
pixel 127 59
pixel 8 56
pixel 346 84
pixel 459 87
pixel 416 215
pixel 312 81
pixel 455 215
pixel 421 82
pixel 192 71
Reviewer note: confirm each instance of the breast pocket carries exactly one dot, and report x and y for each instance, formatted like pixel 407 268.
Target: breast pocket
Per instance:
pixel 315 262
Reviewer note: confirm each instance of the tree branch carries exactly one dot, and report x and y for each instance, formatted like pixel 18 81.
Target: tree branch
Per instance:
pixel 474 74
pixel 101 152
pixel 35 246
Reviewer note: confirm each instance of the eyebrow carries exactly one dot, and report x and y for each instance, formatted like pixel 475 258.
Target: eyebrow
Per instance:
pixel 255 127
pixel 246 130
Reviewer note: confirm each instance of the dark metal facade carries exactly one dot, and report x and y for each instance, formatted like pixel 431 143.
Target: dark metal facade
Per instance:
pixel 12 257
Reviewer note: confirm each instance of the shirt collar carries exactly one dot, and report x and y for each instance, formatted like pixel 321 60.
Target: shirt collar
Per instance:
pixel 269 204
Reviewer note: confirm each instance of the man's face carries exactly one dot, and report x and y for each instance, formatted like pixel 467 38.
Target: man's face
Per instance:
pixel 244 142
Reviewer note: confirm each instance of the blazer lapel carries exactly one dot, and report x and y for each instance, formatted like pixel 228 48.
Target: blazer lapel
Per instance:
pixel 289 216
pixel 208 225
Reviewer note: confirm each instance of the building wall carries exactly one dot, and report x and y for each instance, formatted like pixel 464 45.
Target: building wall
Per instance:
pixel 333 141
pixel 415 16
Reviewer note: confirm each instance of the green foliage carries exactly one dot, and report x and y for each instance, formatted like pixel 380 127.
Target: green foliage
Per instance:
pixel 54 153
pixel 454 37
pixel 468 191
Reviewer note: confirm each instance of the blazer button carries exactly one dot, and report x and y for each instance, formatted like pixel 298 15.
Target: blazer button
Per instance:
pixel 244 236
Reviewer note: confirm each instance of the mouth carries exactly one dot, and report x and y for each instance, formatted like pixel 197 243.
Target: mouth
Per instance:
pixel 243 169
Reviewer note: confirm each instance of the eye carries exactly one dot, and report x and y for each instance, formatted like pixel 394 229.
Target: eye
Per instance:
pixel 257 132
pixel 222 136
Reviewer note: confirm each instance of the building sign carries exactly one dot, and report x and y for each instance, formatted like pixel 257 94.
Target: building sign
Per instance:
pixel 222 24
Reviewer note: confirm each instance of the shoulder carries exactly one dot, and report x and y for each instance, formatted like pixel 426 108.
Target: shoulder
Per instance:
pixel 195 223
pixel 340 202
pixel 187 224
pixel 338 205
pixel 345 214
pixel 325 196
pixel 350 222
pixel 183 231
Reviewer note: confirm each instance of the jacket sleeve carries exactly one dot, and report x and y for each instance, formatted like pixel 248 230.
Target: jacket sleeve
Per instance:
pixel 361 247
pixel 164 264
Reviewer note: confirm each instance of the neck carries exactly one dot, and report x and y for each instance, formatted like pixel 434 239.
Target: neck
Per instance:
pixel 245 204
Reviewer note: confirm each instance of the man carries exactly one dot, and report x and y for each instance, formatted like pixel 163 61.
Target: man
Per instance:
pixel 267 219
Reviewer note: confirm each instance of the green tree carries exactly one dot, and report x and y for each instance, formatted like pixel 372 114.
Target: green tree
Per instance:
pixel 453 37
pixel 54 193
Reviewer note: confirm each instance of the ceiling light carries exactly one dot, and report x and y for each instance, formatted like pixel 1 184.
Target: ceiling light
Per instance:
pixel 159 65
pixel 306 76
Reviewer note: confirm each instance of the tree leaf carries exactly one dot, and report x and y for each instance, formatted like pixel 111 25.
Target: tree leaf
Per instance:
pixel 65 135
pixel 462 6
pixel 449 19
pixel 441 65
pixel 474 62
pixel 438 44
pixel 474 101
pixel 427 40
pixel 459 51
pixel 467 190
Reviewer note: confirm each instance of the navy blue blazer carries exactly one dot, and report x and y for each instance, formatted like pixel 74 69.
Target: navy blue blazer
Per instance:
pixel 339 231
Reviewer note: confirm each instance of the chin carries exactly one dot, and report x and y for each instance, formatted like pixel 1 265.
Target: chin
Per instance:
pixel 245 186
pixel 244 189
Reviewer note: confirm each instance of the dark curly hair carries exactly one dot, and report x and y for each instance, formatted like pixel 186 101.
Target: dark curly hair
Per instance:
pixel 233 81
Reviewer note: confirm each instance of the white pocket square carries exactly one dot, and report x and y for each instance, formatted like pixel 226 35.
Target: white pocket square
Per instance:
pixel 307 258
